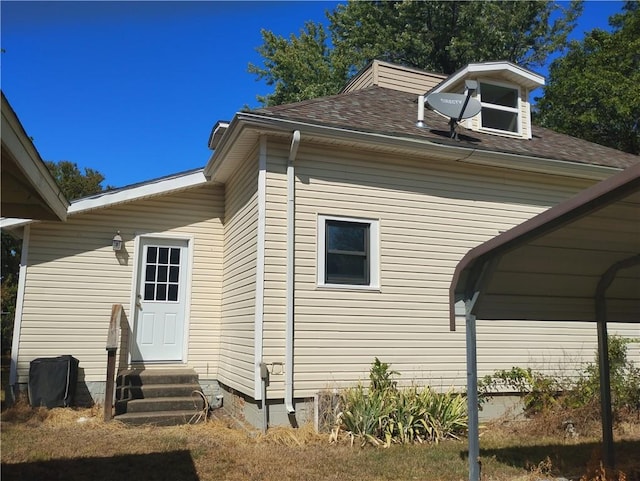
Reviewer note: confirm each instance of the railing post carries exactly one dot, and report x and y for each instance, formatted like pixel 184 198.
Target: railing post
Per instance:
pixel 112 347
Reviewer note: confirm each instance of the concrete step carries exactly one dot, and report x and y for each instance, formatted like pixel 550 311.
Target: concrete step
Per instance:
pixel 160 397
pixel 142 377
pixel 160 418
pixel 185 403
pixel 156 391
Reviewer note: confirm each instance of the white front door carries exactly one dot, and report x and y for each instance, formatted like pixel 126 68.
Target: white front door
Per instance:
pixel 159 326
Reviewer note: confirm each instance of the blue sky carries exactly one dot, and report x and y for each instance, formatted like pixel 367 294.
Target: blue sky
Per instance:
pixel 133 89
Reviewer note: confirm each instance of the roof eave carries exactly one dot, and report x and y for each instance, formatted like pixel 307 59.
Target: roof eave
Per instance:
pixel 163 186
pixel 221 164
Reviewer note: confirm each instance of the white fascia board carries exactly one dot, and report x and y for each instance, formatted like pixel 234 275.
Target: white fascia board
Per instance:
pixel 128 194
pixel 530 79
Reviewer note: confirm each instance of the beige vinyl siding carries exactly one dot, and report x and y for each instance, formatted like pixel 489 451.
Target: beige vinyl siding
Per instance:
pixel 395 77
pixel 73 278
pixel 275 267
pixel 237 341
pixel 525 114
pixel 430 214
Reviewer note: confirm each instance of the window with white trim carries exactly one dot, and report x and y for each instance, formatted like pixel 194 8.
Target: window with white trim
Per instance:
pixel 348 252
pixel 500 107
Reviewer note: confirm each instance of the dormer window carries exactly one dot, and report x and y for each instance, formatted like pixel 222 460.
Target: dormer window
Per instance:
pixel 503 90
pixel 500 107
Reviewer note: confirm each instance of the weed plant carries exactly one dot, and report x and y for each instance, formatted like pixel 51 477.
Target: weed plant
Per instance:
pixel 544 394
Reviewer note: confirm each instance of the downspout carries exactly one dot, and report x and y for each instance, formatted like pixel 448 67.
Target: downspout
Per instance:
pixel 260 260
pixel 291 205
pixel 17 320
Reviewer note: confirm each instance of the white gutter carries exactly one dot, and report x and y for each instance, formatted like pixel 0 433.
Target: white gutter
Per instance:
pixel 291 207
pixel 17 320
pixel 260 255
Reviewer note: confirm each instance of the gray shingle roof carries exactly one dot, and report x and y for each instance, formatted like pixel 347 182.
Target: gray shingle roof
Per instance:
pixel 391 112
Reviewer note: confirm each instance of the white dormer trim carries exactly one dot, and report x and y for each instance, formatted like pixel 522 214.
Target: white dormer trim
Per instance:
pixel 504 74
pixel 512 72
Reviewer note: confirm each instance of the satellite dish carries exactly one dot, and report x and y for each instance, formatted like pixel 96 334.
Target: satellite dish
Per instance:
pixel 454 106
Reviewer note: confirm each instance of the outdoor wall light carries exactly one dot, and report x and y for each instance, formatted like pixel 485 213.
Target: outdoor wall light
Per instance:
pixel 116 242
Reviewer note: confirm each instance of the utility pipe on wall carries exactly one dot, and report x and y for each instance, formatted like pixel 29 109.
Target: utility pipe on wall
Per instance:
pixel 291 204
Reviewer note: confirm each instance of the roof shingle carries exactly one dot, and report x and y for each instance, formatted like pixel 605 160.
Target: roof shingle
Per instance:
pixel 385 111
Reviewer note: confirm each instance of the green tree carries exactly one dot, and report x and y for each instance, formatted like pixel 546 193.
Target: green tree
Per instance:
pixel 440 36
pixel 74 184
pixel 10 255
pixel 594 90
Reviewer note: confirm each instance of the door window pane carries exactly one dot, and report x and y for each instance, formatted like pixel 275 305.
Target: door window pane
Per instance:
pixel 162 274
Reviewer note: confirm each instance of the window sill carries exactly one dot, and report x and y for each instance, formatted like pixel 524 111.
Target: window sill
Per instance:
pixel 347 287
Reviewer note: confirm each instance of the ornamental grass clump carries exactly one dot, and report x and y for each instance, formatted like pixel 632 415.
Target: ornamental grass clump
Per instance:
pixel 385 414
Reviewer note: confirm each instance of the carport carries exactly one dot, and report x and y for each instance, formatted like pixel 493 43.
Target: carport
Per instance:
pixel 578 261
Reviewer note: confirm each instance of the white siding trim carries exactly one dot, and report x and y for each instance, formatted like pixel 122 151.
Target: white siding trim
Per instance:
pixel 189 239
pixel 374 252
pixel 17 320
pixel 260 260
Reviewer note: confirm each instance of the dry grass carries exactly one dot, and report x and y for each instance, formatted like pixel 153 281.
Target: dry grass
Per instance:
pixel 77 445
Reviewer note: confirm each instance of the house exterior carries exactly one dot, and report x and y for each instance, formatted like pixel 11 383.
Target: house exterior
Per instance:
pixel 319 235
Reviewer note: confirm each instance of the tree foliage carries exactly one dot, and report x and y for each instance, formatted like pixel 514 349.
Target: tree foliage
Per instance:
pixel 440 36
pixel 594 91
pixel 74 184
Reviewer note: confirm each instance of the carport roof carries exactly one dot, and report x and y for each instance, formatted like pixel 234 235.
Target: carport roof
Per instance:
pixel 553 266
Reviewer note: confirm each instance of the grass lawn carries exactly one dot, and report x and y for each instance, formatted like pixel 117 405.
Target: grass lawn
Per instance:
pixel 70 444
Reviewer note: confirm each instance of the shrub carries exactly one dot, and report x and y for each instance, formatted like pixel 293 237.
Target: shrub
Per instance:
pixel 624 378
pixel 540 391
pixel 386 414
pixel 543 392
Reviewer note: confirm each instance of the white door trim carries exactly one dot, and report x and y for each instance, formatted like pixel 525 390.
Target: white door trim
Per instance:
pixel 137 258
